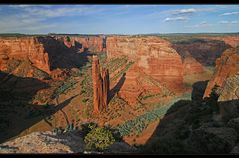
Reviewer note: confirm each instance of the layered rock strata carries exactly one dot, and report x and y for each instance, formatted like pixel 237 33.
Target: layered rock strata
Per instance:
pixel 226 66
pixel 231 40
pixel 191 66
pixel 151 55
pixel 25 48
pixel 84 43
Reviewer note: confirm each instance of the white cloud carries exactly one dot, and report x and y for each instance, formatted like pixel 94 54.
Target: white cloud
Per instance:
pixel 176 19
pixel 228 22
pixel 36 18
pixel 184 11
pixel 64 11
pixel 229 13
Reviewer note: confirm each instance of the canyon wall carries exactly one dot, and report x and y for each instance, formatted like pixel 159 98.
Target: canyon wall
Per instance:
pixel 151 55
pixel 25 48
pixel 191 65
pixel 51 54
pixel 231 40
pixel 204 51
pixel 226 66
pixel 90 43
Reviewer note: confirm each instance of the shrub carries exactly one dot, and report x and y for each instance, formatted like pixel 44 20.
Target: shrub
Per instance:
pixel 99 139
pixel 68 39
pixel 82 91
pixel 87 127
pixel 85 100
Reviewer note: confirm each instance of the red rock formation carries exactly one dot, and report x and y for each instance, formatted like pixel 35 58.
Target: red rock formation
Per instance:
pixel 152 55
pixel 91 43
pixel 226 66
pixel 231 40
pixel 204 51
pixel 100 86
pixel 25 48
pixel 191 66
pixel 105 86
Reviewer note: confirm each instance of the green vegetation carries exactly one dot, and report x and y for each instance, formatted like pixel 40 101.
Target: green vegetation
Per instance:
pixel 99 139
pixel 150 95
pixel 69 128
pixel 122 71
pixel 85 100
pixel 141 122
pixel 87 127
pixel 116 63
pixel 65 87
pixel 68 39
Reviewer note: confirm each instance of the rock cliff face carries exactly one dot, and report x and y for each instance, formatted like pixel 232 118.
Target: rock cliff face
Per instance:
pixel 229 98
pixel 231 40
pixel 226 66
pixel 231 89
pixel 25 48
pixel 46 53
pixel 204 51
pixel 151 55
pixel 191 65
pixel 100 86
pixel 90 43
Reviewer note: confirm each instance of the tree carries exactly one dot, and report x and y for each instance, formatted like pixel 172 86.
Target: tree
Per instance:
pixel 68 39
pixel 99 139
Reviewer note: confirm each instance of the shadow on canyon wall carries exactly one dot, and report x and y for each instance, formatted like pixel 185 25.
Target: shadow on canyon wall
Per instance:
pixel 60 56
pixel 204 51
pixel 17 114
pixel 117 87
pixel 191 127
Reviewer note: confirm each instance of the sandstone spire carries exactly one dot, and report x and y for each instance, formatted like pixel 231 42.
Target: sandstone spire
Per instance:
pixel 105 86
pixel 100 86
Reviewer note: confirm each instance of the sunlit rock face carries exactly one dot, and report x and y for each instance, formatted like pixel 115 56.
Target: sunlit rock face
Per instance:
pixel 151 55
pixel 226 66
pixel 191 65
pixel 25 48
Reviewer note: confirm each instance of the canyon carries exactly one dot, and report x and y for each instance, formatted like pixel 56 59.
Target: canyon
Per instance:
pixel 131 83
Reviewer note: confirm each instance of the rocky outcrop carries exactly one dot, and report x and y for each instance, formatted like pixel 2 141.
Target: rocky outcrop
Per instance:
pixel 226 66
pixel 48 142
pixel 151 55
pixel 25 48
pixel 44 142
pixel 100 86
pixel 204 51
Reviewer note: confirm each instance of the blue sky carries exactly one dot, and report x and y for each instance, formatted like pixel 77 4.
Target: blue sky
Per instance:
pixel 118 19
